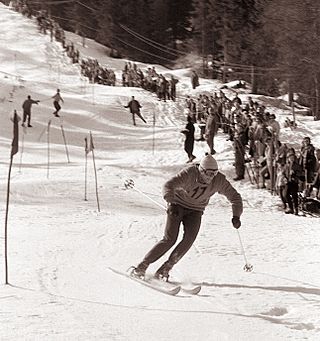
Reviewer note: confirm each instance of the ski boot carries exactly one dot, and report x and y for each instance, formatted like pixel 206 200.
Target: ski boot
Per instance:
pixel 288 211
pixel 139 271
pixel 163 272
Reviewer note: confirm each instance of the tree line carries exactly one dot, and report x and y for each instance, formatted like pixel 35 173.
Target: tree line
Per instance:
pixel 273 44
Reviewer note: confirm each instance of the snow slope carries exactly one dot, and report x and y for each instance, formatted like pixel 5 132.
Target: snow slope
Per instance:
pixel 60 246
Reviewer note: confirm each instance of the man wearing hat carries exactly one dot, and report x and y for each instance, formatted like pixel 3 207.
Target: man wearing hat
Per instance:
pixel 274 127
pixel 293 173
pixel 187 194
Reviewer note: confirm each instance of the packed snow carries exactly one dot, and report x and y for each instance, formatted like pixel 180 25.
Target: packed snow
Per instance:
pixel 60 246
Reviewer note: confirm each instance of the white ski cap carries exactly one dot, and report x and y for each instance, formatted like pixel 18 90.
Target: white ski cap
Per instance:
pixel 208 162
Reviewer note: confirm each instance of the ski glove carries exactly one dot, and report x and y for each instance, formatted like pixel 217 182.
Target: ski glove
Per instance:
pixel 236 222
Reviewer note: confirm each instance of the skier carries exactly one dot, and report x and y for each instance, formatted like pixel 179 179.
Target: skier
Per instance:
pixel 26 106
pixel 187 195
pixel 135 106
pixel 56 102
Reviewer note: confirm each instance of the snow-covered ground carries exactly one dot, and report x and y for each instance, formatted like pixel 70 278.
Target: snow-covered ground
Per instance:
pixel 60 246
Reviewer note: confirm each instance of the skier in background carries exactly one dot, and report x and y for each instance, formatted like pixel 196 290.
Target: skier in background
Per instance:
pixel 187 195
pixel 135 106
pixel 56 102
pixel 26 106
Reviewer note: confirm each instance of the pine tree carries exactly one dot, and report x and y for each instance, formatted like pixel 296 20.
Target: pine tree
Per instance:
pixel 295 28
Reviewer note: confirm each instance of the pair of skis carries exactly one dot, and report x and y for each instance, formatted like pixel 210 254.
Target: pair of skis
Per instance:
pixel 165 287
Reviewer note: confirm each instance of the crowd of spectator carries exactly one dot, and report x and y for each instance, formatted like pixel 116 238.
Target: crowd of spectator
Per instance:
pixel 97 73
pixel 165 89
pixel 259 152
pixel 132 76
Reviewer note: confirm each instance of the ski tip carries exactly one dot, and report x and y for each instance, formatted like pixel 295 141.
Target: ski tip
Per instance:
pixel 193 290
pixel 174 291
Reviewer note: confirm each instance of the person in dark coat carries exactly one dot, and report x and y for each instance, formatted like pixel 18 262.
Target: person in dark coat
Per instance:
pixel 293 173
pixel 211 128
pixel 239 143
pixel 194 80
pixel 173 82
pixel 309 162
pixel 26 106
pixel 316 182
pixel 189 141
pixel 135 106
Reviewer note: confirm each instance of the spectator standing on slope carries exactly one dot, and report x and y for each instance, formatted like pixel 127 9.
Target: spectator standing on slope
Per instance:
pixel 26 106
pixel 211 128
pixel 293 173
pixel 194 79
pixel 309 162
pixel 189 141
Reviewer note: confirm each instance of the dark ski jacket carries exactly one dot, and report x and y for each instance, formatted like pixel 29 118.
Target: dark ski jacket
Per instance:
pixel 26 106
pixel 134 106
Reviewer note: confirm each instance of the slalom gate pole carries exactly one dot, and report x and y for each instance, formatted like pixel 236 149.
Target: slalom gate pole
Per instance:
pixel 14 150
pixel 85 175
pixel 6 225
pixel 48 148
pixel 248 267
pixel 65 141
pixel 153 131
pixel 95 175
pixel 22 148
pixel 42 133
pixel 93 100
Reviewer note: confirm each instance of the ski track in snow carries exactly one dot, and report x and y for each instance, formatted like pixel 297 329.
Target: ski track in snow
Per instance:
pixel 60 246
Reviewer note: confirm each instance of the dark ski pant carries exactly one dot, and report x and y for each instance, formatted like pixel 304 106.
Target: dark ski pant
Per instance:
pixel 291 194
pixel 57 107
pixel 210 143
pixel 188 146
pixel 239 158
pixel 26 116
pixel 139 115
pixel 176 215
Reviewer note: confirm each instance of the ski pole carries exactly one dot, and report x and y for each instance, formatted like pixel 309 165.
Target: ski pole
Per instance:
pixel 248 267
pixel 46 99
pixel 130 184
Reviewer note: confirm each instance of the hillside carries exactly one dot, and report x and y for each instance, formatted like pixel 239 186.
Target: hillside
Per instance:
pixel 60 246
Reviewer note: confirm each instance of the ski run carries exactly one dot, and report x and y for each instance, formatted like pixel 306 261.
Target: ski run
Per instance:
pixel 60 246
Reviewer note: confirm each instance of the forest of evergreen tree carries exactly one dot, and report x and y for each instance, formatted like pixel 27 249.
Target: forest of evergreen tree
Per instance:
pixel 272 44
